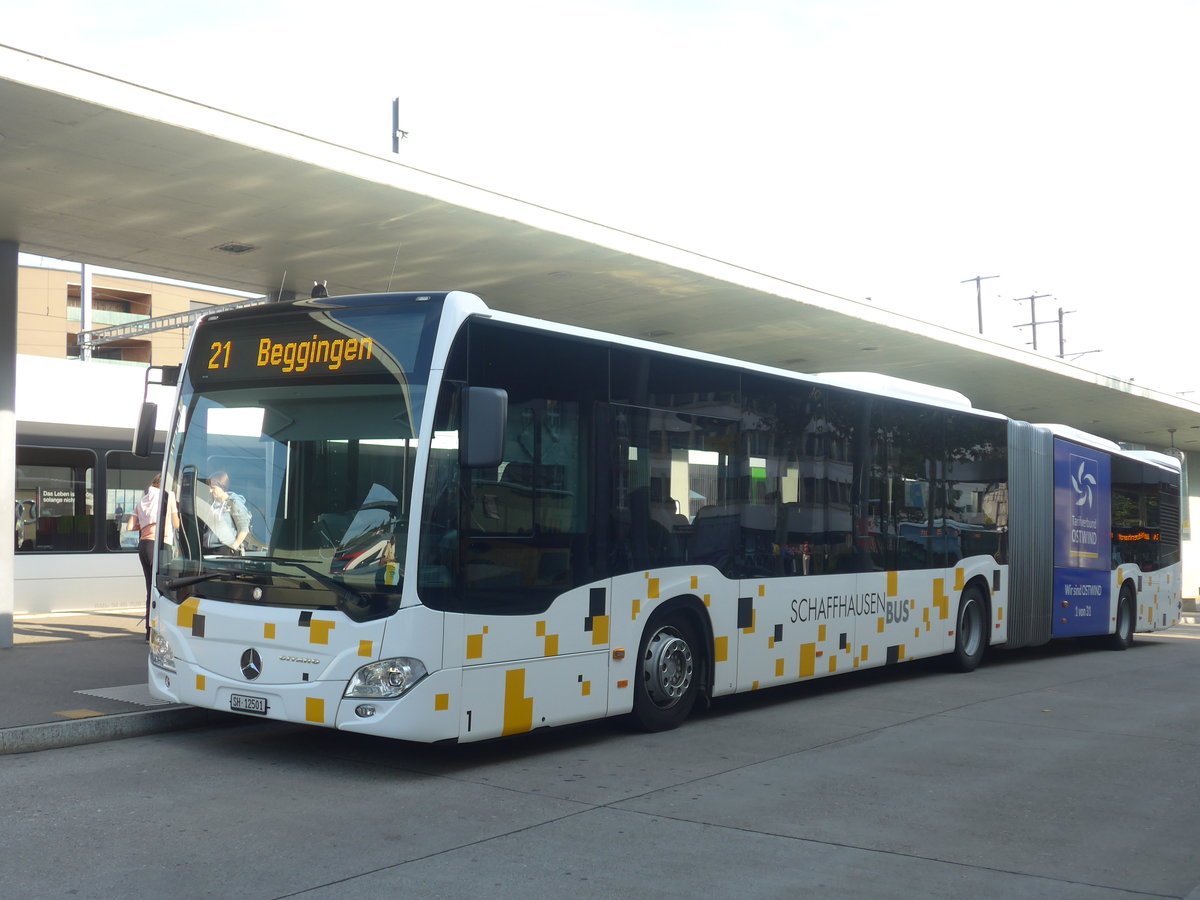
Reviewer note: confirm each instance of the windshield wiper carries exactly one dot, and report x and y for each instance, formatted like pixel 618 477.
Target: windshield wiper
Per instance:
pixel 350 600
pixel 345 593
pixel 172 584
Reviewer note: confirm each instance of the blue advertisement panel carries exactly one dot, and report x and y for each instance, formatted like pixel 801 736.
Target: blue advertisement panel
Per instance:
pixel 1081 600
pixel 1082 540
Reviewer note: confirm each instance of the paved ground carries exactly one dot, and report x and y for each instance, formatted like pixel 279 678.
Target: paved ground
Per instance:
pixel 1053 772
pixel 73 678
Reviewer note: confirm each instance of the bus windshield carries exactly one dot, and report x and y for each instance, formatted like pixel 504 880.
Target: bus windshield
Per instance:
pixel 290 472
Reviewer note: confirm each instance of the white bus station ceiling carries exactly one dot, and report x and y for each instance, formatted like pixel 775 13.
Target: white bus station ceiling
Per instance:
pixel 114 174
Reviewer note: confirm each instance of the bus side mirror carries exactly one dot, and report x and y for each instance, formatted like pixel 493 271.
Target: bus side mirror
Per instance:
pixel 485 418
pixel 143 434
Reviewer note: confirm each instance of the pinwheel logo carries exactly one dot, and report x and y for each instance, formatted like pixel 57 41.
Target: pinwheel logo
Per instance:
pixel 1083 481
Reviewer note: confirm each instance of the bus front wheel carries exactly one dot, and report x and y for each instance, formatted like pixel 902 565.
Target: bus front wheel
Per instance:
pixel 971 633
pixel 668 674
pixel 1122 637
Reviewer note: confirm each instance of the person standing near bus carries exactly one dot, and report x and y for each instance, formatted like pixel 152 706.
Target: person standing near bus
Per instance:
pixel 228 518
pixel 144 520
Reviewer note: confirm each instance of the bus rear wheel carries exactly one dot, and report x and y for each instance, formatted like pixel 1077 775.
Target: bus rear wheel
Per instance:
pixel 1122 637
pixel 667 679
pixel 971 632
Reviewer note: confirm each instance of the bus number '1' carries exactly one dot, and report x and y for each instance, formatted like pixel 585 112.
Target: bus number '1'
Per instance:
pixel 219 347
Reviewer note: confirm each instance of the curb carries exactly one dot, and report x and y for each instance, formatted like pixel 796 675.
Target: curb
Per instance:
pixel 56 735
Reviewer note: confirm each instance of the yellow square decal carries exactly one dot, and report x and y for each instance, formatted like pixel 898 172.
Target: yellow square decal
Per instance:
pixel 808 660
pixel 721 649
pixel 314 710
pixel 474 646
pixel 318 631
pixel 187 611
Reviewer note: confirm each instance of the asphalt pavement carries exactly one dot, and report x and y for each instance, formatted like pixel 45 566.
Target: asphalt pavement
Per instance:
pixel 1055 772
pixel 80 678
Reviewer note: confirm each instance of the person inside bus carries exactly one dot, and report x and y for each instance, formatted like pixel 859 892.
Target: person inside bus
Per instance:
pixel 227 517
pixel 144 520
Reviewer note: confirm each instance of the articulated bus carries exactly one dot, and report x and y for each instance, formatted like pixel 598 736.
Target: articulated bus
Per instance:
pixel 466 524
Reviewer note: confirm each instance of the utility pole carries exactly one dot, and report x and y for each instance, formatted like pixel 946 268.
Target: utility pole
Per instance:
pixel 1061 342
pixel 397 134
pixel 85 306
pixel 979 295
pixel 1033 320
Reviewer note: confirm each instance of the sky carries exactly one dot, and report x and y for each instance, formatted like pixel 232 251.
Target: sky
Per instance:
pixel 882 150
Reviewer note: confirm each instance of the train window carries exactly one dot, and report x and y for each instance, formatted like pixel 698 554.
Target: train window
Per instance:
pixel 126 478
pixel 55 499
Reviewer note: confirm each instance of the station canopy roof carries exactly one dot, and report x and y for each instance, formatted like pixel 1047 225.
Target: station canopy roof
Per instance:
pixel 116 174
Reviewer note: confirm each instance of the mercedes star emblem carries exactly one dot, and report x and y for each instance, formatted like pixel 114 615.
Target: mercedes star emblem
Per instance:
pixel 251 664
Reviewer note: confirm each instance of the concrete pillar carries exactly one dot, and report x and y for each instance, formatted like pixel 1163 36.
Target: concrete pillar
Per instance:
pixel 8 431
pixel 85 307
pixel 1191 537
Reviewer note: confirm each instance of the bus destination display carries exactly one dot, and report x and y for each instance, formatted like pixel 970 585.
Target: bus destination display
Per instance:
pixel 276 353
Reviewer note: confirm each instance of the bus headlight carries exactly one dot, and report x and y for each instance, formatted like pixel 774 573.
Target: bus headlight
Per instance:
pixel 386 679
pixel 161 654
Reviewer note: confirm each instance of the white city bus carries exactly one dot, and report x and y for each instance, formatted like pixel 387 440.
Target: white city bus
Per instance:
pixel 464 524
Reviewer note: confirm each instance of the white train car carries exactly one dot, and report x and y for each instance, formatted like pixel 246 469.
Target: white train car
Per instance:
pixel 75 480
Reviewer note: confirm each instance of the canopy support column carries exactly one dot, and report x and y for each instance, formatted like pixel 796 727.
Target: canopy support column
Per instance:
pixel 8 430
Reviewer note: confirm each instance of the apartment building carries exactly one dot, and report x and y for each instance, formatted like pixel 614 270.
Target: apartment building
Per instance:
pixel 50 313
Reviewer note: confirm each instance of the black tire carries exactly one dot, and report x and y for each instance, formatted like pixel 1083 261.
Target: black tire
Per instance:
pixel 668 673
pixel 1122 637
pixel 971 631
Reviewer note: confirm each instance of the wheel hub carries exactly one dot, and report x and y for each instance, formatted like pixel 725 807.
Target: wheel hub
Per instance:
pixel 668 668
